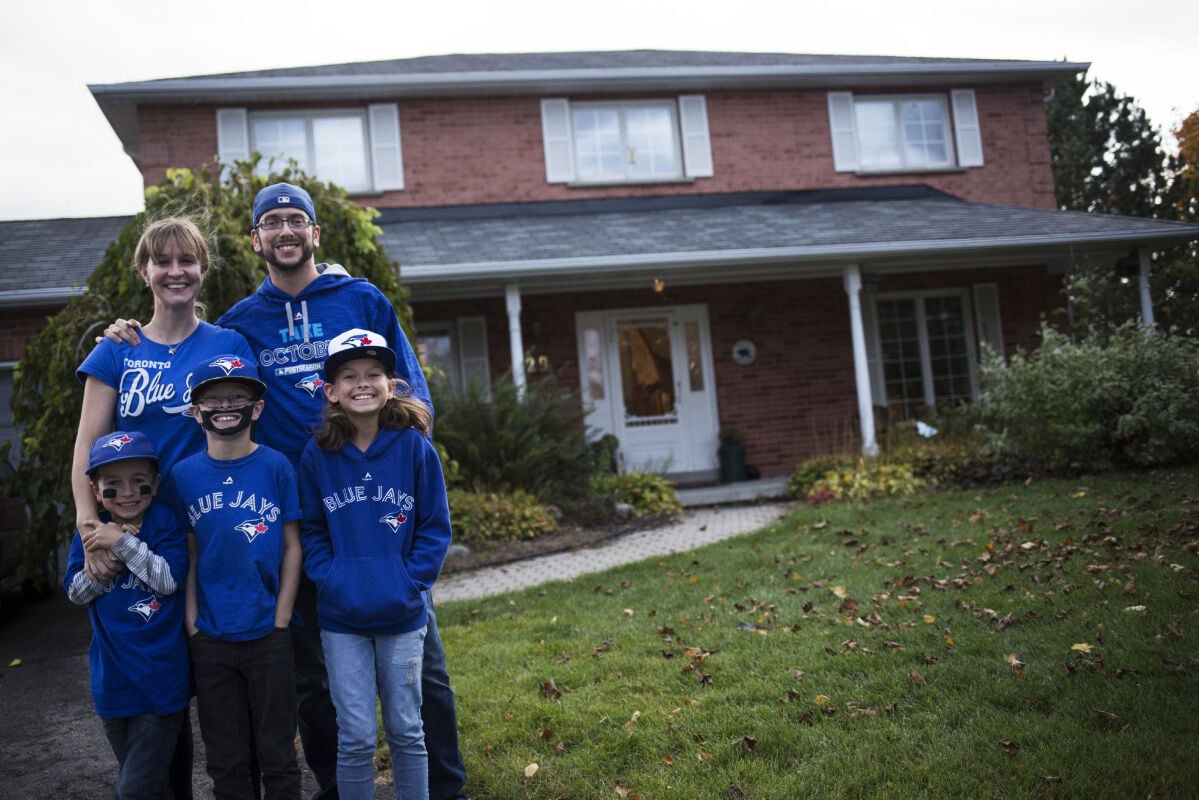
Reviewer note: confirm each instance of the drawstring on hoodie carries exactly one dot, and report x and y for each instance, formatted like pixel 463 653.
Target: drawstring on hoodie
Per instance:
pixel 291 322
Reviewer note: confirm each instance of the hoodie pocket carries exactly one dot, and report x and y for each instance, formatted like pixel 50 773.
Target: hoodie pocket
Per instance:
pixel 369 592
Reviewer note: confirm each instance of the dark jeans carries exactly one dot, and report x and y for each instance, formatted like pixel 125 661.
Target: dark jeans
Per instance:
pixel 318 719
pixel 180 776
pixel 233 678
pixel 143 746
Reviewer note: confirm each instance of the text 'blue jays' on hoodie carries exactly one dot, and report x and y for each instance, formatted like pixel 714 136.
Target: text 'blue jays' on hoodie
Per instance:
pixel 376 531
pixel 290 337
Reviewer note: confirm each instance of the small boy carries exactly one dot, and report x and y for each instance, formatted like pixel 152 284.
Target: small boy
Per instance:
pixel 138 655
pixel 241 505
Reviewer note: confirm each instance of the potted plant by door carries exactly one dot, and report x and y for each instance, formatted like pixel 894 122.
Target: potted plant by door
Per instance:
pixel 731 453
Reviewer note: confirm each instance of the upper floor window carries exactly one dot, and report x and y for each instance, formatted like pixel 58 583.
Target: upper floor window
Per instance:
pixel 626 142
pixel 357 149
pixel 904 133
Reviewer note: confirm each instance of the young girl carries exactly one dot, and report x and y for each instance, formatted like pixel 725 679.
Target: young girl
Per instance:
pixel 375 533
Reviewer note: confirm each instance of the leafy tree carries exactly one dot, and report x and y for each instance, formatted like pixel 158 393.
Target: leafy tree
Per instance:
pixel 46 394
pixel 1108 158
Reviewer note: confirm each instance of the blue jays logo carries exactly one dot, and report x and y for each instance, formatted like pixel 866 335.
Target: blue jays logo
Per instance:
pixel 228 364
pixel 118 442
pixel 253 528
pixel 311 383
pixel 146 608
pixel 394 520
pixel 359 340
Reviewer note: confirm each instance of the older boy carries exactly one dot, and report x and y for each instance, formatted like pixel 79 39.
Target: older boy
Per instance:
pixel 138 656
pixel 242 505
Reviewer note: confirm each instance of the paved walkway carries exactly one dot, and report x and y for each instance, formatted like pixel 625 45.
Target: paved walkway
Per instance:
pixel 697 526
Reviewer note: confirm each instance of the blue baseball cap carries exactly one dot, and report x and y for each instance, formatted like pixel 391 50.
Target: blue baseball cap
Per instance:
pixel 358 343
pixel 282 195
pixel 228 367
pixel 120 446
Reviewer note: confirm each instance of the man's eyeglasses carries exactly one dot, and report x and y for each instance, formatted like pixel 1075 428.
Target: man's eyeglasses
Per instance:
pixel 296 223
pixel 234 402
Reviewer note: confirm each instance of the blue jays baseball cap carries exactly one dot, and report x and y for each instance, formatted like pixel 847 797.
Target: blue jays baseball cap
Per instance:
pixel 358 343
pixel 282 195
pixel 120 446
pixel 229 367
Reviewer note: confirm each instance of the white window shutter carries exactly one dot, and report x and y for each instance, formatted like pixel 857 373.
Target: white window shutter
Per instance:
pixel 387 157
pixel 558 142
pixel 966 130
pixel 845 139
pixel 472 353
pixel 232 135
pixel 986 317
pixel 697 144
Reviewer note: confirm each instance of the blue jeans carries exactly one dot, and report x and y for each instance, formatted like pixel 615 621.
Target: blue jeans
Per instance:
pixel 447 772
pixel 246 701
pixel 143 746
pixel 361 667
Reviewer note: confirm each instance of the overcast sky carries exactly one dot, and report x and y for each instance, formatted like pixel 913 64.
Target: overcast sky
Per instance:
pixel 60 158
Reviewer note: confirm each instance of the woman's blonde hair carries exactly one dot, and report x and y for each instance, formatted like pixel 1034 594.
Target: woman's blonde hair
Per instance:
pixel 401 411
pixel 183 231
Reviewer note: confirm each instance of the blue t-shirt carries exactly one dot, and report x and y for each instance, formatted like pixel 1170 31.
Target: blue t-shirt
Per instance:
pixel 138 658
pixel 236 509
pixel 154 386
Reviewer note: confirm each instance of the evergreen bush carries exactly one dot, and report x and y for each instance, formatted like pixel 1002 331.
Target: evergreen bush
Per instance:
pixel 498 516
pixel 1132 400
pixel 503 442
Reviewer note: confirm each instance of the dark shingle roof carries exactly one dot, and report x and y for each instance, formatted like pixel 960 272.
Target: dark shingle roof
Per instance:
pixel 714 238
pixel 593 60
pixel 875 223
pixel 53 254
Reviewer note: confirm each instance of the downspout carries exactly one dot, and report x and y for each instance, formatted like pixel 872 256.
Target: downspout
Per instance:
pixel 861 367
pixel 1143 284
pixel 515 339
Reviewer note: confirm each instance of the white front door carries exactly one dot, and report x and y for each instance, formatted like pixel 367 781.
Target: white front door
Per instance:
pixel 647 379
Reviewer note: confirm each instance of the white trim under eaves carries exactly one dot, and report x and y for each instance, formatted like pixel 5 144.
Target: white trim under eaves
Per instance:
pixel 426 274
pixel 31 298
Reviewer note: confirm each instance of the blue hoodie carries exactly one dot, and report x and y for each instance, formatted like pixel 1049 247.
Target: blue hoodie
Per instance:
pixel 375 533
pixel 290 337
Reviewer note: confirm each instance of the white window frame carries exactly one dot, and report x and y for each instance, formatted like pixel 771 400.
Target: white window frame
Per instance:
pixel 960 119
pixel 878 384
pixel 382 149
pixel 689 123
pixel 468 350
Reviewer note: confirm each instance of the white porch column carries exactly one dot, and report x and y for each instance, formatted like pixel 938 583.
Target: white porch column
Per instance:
pixel 515 338
pixel 1143 285
pixel 861 368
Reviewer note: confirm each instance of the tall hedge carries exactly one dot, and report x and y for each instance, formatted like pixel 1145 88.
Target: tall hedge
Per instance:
pixel 46 394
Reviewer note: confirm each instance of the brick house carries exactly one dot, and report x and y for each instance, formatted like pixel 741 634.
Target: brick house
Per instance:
pixel 804 247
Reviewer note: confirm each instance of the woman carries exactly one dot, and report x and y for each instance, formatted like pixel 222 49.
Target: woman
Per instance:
pixel 147 388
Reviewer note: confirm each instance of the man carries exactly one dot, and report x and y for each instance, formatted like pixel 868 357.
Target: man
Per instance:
pixel 288 322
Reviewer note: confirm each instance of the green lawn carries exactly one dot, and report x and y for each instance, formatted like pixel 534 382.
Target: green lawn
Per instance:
pixel 1022 642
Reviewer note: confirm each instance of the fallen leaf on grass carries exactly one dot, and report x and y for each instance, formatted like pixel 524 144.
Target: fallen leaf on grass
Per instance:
pixel 839 591
pixel 1015 663
pixel 531 769
pixel 916 678
pixel 16 662
pixel 550 689
pixel 1010 747
pixel 735 792
pixel 1106 716
pixel 668 760
pixel 746 742
pixel 1082 647
pixel 630 727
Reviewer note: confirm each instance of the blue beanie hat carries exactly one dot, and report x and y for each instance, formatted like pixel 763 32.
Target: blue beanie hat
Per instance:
pixel 120 446
pixel 282 195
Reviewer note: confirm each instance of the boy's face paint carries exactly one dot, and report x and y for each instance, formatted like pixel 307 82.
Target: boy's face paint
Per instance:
pixel 227 422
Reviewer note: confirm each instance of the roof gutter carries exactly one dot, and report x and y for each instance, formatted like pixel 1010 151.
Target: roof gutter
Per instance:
pixel 226 89
pixel 32 298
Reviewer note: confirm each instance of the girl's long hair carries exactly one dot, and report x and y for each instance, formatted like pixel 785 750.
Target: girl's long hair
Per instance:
pixel 401 411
